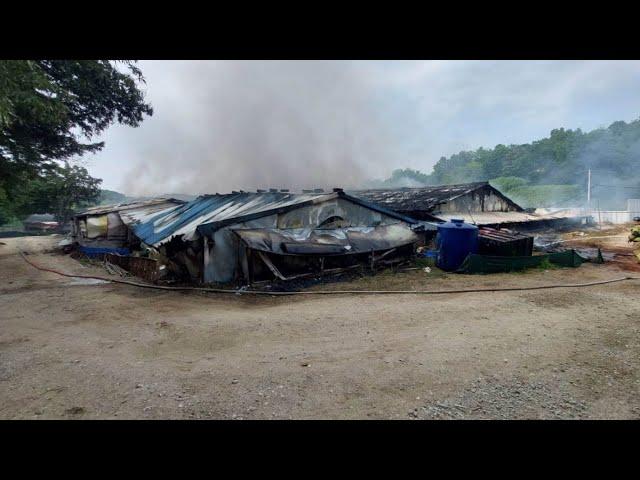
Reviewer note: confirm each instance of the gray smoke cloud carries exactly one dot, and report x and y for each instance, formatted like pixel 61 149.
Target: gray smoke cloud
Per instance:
pixel 228 125
pixel 256 124
pixel 613 167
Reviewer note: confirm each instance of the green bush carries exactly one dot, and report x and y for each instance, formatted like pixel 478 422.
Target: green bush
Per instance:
pixel 507 184
pixel 547 265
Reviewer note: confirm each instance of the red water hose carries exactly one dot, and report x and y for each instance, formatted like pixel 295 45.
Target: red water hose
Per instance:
pixel 327 292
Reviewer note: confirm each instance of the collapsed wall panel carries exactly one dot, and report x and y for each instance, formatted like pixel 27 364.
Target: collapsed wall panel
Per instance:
pixel 115 227
pixel 293 253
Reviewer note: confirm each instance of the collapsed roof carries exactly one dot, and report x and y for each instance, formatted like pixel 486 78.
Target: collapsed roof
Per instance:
pixel 208 213
pixel 150 206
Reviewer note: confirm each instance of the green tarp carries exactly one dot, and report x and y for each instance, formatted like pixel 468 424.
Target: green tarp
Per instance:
pixel 491 264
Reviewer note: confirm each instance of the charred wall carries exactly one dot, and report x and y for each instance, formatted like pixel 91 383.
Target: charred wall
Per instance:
pixel 222 261
pixel 481 200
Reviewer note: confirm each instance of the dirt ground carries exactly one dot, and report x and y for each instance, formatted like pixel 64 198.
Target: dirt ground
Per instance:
pixel 78 349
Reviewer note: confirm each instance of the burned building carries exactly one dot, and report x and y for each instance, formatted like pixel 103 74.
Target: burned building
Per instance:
pixel 478 203
pixel 440 202
pixel 105 228
pixel 247 236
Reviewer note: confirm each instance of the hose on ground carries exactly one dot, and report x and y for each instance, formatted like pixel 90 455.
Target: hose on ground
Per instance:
pixel 326 292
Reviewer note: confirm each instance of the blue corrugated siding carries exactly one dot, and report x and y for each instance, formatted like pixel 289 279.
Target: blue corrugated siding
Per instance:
pixel 183 215
pixel 212 208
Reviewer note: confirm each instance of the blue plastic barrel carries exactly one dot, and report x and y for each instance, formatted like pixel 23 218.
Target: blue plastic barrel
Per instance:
pixel 455 240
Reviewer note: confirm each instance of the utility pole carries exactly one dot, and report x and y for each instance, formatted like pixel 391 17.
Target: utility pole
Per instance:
pixel 589 190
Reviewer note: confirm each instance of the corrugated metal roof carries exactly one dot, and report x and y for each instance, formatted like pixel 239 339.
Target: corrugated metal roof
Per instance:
pixel 492 218
pixel 208 209
pixel 208 213
pixel 423 198
pixel 148 205
pixel 144 214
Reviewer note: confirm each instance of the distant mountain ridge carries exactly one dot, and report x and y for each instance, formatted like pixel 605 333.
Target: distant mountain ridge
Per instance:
pixel 551 171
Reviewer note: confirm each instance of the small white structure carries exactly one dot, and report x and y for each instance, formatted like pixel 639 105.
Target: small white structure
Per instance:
pixel 615 217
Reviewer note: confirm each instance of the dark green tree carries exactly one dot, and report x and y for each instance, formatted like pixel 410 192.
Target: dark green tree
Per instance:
pixel 62 190
pixel 50 110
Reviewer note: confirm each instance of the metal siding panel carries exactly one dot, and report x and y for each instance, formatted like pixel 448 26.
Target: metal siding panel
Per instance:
pixel 115 227
pixel 224 257
pixel 633 206
pixel 331 241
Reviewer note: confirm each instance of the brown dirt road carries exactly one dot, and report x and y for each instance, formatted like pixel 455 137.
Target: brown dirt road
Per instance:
pixel 69 349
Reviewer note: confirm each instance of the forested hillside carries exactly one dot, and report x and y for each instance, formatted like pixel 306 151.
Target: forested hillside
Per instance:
pixel 109 197
pixel 549 171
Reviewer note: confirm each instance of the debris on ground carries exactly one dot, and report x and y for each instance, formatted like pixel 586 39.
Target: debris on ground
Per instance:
pixel 614 247
pixel 634 236
pixel 115 269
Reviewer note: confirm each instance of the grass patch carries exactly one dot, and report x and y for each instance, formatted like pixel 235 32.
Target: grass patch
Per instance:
pixel 423 262
pixel 547 265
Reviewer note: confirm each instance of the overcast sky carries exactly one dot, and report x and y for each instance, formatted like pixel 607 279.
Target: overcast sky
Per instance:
pixel 225 125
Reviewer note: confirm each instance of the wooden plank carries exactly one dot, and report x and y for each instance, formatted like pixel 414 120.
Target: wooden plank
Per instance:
pixel 377 259
pixel 244 262
pixel 327 272
pixel 250 264
pixel 271 266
